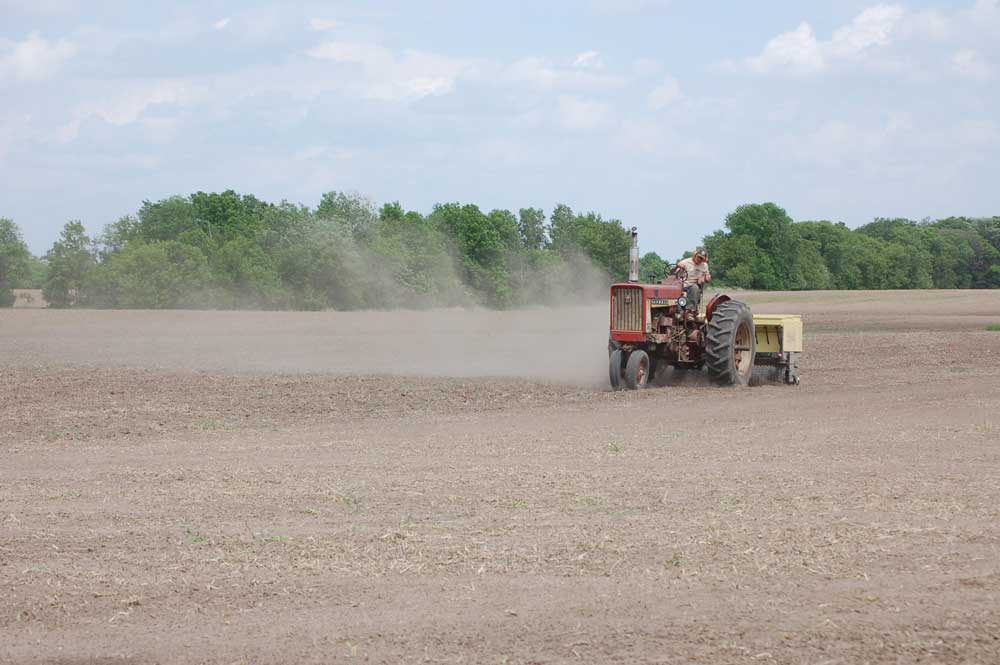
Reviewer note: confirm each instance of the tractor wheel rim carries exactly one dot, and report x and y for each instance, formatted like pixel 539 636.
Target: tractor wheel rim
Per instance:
pixel 742 352
pixel 640 375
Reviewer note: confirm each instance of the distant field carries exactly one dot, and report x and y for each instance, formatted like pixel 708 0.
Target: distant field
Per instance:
pixel 459 486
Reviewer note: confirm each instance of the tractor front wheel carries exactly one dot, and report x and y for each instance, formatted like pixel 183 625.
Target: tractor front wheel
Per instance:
pixel 615 369
pixel 637 370
pixel 730 344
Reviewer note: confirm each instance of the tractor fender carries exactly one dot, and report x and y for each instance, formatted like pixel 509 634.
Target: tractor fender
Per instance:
pixel 713 303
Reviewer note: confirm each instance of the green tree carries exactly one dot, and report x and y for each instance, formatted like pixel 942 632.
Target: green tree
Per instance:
pixel 416 254
pixel 227 216
pixel 327 270
pixel 605 242
pixel 737 260
pixel 37 271
pixel 117 235
pixel 767 244
pixel 246 274
pixel 156 275
pixel 15 261
pixel 482 243
pixel 354 212
pixel 71 261
pixel 163 220
pixel 908 248
pixel 531 227
pixel 652 266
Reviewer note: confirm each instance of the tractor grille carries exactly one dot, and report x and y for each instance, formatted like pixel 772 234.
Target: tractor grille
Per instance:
pixel 626 309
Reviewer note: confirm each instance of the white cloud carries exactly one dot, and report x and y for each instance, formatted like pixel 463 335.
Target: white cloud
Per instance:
pixel 34 58
pixel 927 23
pixel 969 64
pixel 390 77
pixel 871 28
pixel 588 60
pixel 129 105
pixel 797 51
pixel 355 52
pixel 544 75
pixel 580 114
pixel 221 23
pixel 665 94
pixel 323 24
pixel 800 52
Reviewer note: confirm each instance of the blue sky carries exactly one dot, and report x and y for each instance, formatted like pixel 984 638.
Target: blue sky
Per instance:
pixel 666 114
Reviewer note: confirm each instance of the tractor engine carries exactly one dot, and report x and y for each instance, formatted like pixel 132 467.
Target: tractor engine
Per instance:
pixel 656 316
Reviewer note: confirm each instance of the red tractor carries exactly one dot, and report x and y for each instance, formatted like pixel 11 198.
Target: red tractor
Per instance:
pixel 653 325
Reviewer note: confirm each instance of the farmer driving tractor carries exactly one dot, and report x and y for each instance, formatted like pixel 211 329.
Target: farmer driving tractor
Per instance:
pixel 694 271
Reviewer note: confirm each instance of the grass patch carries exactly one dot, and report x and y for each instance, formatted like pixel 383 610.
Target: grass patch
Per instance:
pixel 192 536
pixel 209 424
pixel 675 561
pixel 993 327
pixel 730 504
pixel 264 538
pixel 351 501
pixel 593 502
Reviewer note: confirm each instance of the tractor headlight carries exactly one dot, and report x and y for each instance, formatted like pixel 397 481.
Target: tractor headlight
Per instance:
pixel 682 302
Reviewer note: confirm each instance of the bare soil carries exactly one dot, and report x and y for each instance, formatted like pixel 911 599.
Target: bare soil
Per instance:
pixel 459 486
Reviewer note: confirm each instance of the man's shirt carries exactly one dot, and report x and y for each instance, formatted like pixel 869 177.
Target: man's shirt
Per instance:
pixel 694 270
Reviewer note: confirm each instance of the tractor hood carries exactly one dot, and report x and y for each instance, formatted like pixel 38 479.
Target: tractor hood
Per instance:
pixel 633 306
pixel 670 291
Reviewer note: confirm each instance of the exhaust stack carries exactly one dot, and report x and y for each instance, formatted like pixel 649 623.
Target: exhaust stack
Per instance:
pixel 633 257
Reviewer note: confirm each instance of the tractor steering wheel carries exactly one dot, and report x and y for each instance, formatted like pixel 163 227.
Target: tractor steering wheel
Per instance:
pixel 680 273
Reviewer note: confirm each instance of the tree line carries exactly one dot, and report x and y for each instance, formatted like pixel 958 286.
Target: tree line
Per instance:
pixel 762 248
pixel 227 250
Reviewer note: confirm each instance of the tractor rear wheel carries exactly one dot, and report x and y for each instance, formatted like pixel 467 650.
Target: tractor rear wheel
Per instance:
pixel 730 344
pixel 637 370
pixel 615 369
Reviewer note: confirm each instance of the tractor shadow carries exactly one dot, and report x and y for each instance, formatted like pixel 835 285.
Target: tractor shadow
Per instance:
pixel 690 378
pixel 693 378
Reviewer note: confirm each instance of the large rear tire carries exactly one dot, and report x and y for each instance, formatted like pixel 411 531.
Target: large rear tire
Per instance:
pixel 615 369
pixel 730 344
pixel 637 370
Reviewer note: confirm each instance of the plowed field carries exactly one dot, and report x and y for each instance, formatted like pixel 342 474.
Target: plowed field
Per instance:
pixel 459 486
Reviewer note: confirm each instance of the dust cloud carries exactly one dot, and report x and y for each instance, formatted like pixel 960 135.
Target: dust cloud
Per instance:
pixel 555 344
pixel 562 340
pixel 567 344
